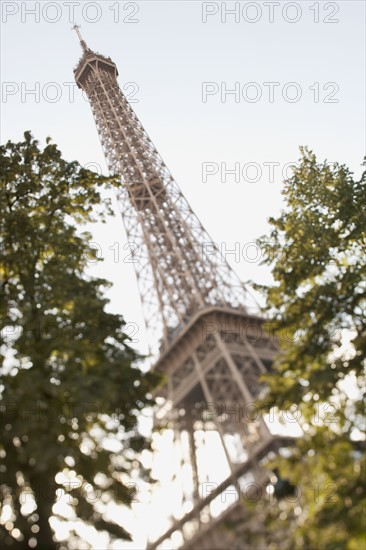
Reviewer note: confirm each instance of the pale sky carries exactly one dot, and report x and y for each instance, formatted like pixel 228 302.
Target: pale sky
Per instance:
pixel 167 55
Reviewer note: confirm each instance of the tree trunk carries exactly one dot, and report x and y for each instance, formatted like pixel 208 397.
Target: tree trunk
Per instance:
pixel 45 540
pixel 44 500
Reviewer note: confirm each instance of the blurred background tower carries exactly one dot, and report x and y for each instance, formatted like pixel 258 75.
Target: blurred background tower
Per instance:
pixel 210 347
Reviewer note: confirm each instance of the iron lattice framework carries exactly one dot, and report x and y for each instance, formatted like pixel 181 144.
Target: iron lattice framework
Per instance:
pixel 175 277
pixel 212 350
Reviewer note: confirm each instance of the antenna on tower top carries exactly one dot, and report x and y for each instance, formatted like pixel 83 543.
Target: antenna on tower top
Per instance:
pixel 82 42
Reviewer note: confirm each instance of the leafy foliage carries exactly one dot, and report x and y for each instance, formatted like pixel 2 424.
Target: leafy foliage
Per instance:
pixel 317 301
pixel 68 380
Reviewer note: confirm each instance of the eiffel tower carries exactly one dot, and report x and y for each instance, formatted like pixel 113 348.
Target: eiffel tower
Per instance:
pixel 212 350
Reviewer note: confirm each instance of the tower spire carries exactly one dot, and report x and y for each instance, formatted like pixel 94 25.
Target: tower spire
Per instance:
pixel 82 42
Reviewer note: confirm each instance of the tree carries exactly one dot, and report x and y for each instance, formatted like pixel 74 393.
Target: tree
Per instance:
pixel 69 382
pixel 317 303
